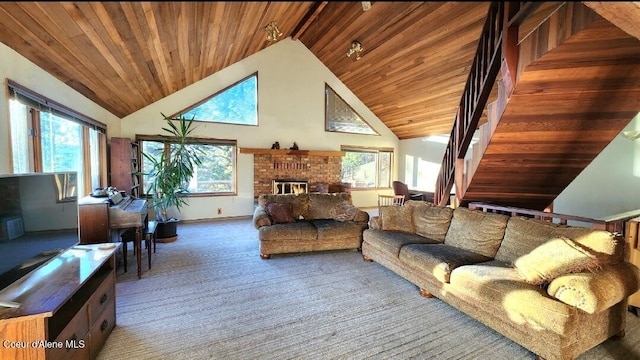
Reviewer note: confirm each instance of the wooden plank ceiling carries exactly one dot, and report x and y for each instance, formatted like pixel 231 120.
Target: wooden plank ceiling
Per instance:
pixel 127 55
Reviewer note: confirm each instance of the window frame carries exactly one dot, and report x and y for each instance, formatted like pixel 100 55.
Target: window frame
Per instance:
pixel 141 138
pixel 36 104
pixel 186 110
pixel 377 151
pixel 328 88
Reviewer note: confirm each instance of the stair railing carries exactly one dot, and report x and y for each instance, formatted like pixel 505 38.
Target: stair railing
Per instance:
pixel 484 70
pixel 482 76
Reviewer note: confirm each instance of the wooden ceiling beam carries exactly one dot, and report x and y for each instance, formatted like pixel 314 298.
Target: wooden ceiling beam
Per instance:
pixel 308 19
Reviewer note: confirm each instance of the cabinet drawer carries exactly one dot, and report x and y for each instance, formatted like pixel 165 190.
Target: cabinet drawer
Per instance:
pixel 101 299
pixel 72 337
pixel 103 327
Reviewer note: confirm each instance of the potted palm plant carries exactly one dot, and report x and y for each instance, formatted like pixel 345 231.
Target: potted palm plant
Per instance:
pixel 170 174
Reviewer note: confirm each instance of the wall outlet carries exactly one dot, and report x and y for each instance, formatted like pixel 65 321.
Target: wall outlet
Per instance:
pixel 219 211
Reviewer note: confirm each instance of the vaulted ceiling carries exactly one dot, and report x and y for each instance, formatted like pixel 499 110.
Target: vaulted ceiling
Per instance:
pixel 127 55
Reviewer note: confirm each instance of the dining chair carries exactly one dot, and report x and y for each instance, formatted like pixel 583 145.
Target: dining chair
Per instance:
pixel 390 200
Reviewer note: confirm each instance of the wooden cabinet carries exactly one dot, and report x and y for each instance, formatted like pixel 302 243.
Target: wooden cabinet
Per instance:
pixel 125 165
pixel 68 307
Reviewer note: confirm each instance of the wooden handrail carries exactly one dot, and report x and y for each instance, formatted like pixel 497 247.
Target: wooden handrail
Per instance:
pixel 614 224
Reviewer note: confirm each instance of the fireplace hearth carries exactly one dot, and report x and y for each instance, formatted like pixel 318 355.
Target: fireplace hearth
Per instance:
pixel 289 186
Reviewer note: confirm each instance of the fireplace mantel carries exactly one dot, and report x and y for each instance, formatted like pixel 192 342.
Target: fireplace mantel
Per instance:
pixel 291 152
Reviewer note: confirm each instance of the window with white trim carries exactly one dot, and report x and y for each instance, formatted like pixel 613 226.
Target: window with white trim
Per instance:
pixel 367 168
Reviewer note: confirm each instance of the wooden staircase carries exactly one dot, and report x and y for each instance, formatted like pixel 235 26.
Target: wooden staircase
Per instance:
pixel 577 85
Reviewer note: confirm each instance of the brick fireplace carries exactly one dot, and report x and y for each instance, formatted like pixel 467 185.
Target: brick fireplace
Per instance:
pixel 318 168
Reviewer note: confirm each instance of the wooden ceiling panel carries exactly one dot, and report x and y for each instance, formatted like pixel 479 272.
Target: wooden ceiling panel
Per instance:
pixel 127 55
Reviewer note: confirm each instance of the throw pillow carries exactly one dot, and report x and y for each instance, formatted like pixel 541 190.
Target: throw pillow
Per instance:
pixel 280 213
pixel 344 211
pixel 554 258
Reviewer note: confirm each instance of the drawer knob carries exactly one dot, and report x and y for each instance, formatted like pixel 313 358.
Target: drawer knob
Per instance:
pixel 104 326
pixel 103 298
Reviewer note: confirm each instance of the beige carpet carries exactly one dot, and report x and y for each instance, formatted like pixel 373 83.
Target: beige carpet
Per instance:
pixel 210 296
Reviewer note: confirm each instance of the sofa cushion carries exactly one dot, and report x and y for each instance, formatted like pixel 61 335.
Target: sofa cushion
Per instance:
pixel 555 257
pixel 477 231
pixel 321 205
pixel 497 287
pixel 431 221
pixel 396 218
pixel 593 292
pixel 300 202
pixel 299 230
pixel 333 229
pixel 438 259
pixel 280 213
pixel 522 235
pixel 392 241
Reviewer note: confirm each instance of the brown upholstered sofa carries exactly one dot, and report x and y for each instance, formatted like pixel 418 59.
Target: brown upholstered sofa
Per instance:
pixel 557 290
pixel 289 223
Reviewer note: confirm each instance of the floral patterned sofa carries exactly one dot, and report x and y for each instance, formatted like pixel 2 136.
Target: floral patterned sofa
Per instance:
pixel 557 290
pixel 291 223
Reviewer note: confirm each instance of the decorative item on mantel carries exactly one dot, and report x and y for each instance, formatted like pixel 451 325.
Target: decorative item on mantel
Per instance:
pixel 294 147
pixel 275 146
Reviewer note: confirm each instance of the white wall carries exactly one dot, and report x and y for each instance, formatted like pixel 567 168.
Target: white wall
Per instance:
pixel 15 67
pixel 609 185
pixel 419 161
pixel 291 84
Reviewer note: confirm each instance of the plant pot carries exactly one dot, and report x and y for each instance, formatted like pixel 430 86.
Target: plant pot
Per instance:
pixel 167 231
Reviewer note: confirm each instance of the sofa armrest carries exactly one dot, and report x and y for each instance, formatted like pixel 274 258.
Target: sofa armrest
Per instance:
pixel 375 223
pixel 361 216
pixel 595 291
pixel 260 217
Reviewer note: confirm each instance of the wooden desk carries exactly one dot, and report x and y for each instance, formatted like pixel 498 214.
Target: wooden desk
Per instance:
pixel 98 217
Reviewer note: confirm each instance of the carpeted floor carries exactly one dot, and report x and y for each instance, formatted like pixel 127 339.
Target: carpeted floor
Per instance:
pixel 209 295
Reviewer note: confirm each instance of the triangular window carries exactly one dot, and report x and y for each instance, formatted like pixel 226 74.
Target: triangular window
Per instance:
pixel 340 117
pixel 237 104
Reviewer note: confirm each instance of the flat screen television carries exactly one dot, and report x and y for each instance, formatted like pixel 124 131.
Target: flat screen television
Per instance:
pixel 38 221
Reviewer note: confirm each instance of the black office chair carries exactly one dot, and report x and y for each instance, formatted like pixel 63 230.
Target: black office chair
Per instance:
pixel 400 188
